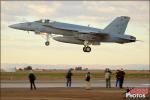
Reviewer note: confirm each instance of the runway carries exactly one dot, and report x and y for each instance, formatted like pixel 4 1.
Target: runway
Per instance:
pixel 56 90
pixel 48 84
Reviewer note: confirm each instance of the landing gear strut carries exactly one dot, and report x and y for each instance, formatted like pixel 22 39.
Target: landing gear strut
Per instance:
pixel 86 48
pixel 47 39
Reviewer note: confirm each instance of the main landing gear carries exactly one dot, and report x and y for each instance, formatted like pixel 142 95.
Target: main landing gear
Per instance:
pixel 86 47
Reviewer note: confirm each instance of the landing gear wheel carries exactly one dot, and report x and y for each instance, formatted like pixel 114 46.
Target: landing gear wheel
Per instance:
pixel 84 49
pixel 47 43
pixel 87 49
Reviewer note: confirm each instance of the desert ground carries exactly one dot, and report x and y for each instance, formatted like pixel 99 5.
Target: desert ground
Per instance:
pixel 62 94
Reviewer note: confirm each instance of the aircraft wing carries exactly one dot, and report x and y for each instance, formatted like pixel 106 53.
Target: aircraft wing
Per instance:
pixel 100 33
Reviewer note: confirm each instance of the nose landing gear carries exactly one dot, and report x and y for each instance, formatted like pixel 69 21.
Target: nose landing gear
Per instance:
pixel 47 43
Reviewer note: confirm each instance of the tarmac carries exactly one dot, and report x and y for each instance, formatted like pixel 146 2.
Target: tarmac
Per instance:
pixel 57 90
pixel 48 84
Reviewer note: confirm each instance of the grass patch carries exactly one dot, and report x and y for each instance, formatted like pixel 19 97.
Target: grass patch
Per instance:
pixel 22 75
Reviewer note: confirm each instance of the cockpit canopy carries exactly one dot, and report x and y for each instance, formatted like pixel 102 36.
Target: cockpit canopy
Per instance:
pixel 44 21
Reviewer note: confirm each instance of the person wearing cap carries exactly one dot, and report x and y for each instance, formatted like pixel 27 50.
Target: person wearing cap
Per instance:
pixel 32 79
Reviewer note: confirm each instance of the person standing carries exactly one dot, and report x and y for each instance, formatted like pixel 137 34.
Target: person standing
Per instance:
pixel 69 78
pixel 87 79
pixel 108 78
pixel 32 79
pixel 117 78
pixel 121 77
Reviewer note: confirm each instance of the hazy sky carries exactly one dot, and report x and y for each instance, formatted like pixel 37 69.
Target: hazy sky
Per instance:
pixel 20 47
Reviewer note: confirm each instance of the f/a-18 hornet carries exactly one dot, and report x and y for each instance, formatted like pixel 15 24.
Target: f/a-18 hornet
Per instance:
pixel 78 34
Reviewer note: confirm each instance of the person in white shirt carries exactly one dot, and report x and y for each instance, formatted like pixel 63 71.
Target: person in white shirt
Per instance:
pixel 108 78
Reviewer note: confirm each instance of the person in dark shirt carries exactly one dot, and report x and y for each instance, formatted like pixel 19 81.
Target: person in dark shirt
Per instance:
pixel 87 79
pixel 69 78
pixel 121 75
pixel 32 79
pixel 117 77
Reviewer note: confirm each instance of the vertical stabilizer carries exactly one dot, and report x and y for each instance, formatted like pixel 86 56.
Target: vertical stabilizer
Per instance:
pixel 118 25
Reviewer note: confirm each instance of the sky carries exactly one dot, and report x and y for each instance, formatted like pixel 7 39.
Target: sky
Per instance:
pixel 20 47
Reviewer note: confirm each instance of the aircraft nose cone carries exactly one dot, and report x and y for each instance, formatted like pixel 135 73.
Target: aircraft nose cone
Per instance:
pixel 15 26
pixel 11 26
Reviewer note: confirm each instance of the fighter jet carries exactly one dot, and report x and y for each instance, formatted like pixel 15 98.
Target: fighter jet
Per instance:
pixel 78 34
